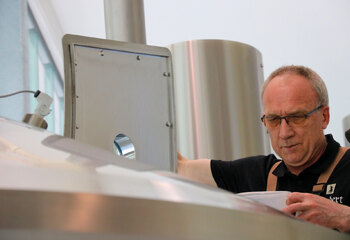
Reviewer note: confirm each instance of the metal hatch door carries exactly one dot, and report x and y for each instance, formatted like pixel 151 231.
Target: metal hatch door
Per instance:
pixel 118 94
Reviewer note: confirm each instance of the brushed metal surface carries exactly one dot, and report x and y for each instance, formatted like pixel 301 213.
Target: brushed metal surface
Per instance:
pixel 218 110
pixel 35 160
pixel 54 215
pixel 125 20
pixel 114 88
pixel 53 187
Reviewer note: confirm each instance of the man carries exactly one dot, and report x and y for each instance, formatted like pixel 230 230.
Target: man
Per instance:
pixel 296 112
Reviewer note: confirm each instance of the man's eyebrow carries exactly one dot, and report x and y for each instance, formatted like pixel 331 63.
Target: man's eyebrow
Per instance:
pixel 272 115
pixel 297 112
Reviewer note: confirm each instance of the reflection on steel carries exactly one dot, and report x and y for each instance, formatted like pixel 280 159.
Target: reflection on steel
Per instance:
pixel 124 146
pixel 91 216
pixel 217 99
pixel 53 187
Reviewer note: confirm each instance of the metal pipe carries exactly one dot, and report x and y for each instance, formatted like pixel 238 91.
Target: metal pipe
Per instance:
pixel 125 20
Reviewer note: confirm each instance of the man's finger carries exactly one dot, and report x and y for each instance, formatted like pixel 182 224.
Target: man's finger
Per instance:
pixel 179 156
pixel 294 208
pixel 295 197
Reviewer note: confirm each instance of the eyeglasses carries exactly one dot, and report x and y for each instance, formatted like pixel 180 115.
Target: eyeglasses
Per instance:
pixel 292 120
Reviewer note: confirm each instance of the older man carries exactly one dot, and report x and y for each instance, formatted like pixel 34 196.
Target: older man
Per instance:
pixel 314 166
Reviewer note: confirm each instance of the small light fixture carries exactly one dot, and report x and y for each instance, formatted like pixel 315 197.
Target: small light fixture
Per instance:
pixel 43 109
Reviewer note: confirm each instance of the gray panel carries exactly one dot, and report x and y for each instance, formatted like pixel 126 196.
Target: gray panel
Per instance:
pixel 120 88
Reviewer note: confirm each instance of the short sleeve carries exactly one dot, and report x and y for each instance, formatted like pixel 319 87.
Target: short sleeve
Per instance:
pixel 242 175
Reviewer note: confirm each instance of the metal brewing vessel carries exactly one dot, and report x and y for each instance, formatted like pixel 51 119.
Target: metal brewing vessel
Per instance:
pixel 57 188
pixel 217 99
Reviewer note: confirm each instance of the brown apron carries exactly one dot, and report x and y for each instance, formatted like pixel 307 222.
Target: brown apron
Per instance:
pixel 322 179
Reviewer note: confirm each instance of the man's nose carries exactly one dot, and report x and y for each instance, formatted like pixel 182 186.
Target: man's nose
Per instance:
pixel 285 131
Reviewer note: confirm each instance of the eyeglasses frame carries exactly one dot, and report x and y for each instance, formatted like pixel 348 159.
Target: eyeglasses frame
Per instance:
pixel 285 117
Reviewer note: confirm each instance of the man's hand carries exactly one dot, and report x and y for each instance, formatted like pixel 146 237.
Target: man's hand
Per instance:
pixel 181 165
pixel 198 170
pixel 318 210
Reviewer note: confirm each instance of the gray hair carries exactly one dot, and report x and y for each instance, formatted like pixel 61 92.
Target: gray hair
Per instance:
pixel 316 81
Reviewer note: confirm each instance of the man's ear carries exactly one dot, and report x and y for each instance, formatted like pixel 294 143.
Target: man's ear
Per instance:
pixel 325 117
pixel 262 115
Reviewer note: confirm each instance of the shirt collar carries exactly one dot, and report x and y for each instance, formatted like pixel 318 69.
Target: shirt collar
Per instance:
pixel 321 165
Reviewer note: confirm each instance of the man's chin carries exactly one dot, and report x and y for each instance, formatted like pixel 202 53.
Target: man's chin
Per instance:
pixel 290 159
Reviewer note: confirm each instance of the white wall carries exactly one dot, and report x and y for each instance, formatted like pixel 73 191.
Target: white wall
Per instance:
pixel 315 33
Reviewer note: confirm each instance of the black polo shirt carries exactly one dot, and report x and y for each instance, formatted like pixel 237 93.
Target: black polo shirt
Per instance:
pixel 250 174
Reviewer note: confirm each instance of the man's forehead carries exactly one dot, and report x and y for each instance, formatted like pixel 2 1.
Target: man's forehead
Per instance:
pixel 288 78
pixel 288 82
pixel 285 112
pixel 289 92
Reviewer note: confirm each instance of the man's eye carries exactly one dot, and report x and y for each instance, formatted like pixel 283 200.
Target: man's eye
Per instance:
pixel 296 117
pixel 273 118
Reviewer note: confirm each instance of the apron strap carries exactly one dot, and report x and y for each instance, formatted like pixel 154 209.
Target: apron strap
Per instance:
pixel 322 179
pixel 272 179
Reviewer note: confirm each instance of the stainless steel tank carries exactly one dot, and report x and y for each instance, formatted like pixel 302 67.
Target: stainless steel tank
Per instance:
pixel 58 188
pixel 217 99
